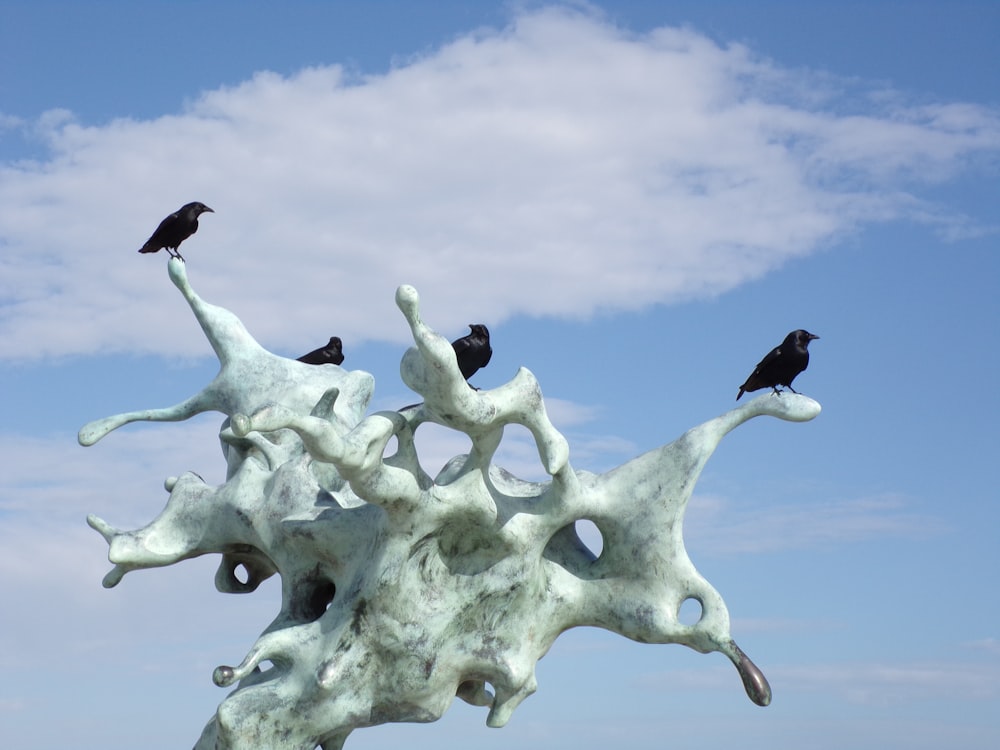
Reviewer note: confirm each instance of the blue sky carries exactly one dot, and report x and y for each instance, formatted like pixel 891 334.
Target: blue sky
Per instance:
pixel 639 199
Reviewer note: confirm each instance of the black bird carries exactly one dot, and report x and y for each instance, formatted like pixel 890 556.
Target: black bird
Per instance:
pixel 176 228
pixel 332 354
pixel 781 364
pixel 473 351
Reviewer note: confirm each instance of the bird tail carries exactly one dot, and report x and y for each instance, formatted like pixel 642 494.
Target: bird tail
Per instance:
pixel 739 394
pixel 148 248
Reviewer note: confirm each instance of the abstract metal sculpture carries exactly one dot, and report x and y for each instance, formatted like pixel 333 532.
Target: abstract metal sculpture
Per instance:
pixel 401 590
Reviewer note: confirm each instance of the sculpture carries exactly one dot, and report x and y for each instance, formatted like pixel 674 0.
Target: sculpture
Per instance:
pixel 400 590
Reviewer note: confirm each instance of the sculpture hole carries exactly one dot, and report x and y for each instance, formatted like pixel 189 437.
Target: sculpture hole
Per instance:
pixel 437 446
pixel 391 447
pixel 265 666
pixel 319 599
pixel 518 453
pixel 590 535
pixel 690 611
pixel 241 574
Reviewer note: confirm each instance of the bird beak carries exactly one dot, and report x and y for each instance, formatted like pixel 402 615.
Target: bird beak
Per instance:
pixel 209 210
pixel 813 336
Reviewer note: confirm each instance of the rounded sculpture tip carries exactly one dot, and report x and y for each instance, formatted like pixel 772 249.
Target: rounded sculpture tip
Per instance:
pixel 240 425
pixel 114 577
pixel 754 681
pixel 804 408
pixel 102 527
pixel 90 433
pixel 792 407
pixel 407 299
pixel 223 676
pixel 177 271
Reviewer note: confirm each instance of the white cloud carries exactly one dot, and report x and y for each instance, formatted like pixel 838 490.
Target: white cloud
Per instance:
pixel 555 167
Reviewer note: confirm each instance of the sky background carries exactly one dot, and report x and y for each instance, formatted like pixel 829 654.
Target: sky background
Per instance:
pixel 639 199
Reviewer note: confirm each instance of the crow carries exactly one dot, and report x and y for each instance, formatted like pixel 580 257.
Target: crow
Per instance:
pixel 781 364
pixel 332 354
pixel 473 351
pixel 176 228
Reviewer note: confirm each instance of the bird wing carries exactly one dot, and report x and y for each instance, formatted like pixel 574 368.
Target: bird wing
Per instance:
pixel 768 360
pixel 167 223
pixel 758 376
pixel 155 241
pixel 163 236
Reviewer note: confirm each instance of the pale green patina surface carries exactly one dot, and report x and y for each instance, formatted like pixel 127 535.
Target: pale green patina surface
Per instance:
pixel 401 590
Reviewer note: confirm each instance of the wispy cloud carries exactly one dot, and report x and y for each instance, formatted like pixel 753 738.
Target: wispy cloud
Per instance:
pixel 878 684
pixel 782 625
pixel 565 413
pixel 9 122
pixel 990 646
pixel 663 165
pixel 52 563
pixel 124 473
pixel 887 683
pixel 11 705
pixel 725 527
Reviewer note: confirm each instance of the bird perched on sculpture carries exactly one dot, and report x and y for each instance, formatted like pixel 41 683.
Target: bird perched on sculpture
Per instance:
pixel 331 354
pixel 473 350
pixel 176 228
pixel 781 365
